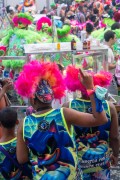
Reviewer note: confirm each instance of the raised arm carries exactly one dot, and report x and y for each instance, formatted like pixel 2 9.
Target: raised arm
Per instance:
pixel 84 119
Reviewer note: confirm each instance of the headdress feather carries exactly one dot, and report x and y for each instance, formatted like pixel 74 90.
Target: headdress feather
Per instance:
pixel 73 83
pixel 33 73
pixel 23 18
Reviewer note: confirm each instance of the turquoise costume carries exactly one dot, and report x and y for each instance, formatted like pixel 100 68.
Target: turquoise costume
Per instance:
pixel 93 144
pixel 8 170
pixel 51 145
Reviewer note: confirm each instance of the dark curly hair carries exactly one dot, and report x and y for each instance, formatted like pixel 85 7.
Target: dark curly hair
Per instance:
pixel 8 117
pixel 115 26
pixel 89 27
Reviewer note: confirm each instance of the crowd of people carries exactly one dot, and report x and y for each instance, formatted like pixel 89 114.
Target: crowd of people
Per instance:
pixel 83 11
pixel 60 138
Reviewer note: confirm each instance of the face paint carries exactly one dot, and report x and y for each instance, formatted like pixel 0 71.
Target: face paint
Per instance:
pixel 22 26
pixel 44 92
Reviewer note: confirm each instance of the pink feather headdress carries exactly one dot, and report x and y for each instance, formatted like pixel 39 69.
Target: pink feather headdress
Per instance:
pixel 23 18
pixel 33 72
pixel 73 83
pixel 42 21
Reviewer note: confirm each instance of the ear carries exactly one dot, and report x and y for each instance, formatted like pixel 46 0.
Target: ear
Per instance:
pixel 111 39
pixel 32 101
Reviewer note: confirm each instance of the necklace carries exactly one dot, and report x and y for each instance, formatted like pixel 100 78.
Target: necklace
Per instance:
pixel 44 108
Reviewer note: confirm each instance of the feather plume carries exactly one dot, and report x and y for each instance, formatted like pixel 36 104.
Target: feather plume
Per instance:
pixel 73 83
pixel 35 71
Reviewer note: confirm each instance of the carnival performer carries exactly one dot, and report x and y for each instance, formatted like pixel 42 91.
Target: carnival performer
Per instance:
pixel 93 143
pixel 15 40
pixel 9 166
pixel 45 29
pixel 64 33
pixel 42 26
pixel 48 134
pixel 20 35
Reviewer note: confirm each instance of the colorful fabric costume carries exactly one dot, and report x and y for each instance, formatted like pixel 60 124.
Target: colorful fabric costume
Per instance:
pixel 8 170
pixel 42 28
pixel 51 147
pixel 52 150
pixel 92 143
pixel 15 40
pixel 63 33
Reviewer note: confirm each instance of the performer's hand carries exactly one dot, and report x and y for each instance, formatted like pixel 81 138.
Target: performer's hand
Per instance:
pixel 8 85
pixel 86 79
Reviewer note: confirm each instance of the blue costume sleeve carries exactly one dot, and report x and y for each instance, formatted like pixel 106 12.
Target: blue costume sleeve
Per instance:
pixel 99 107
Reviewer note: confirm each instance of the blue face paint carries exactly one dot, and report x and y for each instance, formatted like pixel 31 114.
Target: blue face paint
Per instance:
pixel 44 92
